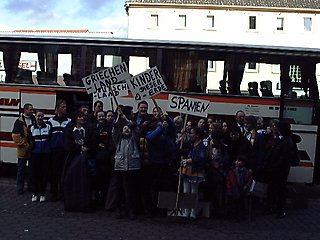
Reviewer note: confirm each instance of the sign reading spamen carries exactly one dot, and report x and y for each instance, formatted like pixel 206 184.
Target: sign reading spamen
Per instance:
pixel 191 106
pixel 146 84
pixel 106 77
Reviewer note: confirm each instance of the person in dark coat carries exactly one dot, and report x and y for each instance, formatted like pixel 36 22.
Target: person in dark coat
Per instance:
pixel 162 152
pixel 278 167
pixel 237 145
pixel 257 141
pixel 80 144
pixel 103 156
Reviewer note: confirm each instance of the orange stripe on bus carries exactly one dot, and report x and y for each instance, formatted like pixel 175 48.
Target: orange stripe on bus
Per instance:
pixel 306 164
pixel 37 92
pixel 26 89
pixel 8 144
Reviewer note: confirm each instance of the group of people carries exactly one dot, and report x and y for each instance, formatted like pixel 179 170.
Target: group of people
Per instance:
pixel 121 160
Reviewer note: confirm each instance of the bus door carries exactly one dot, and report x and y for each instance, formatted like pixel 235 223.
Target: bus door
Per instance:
pixel 300 113
pixel 307 152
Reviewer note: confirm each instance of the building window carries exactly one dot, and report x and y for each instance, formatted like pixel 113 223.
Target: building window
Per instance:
pixel 211 65
pixel 295 73
pixel 275 68
pixel 307 24
pixel 252 22
pixel 210 21
pixel 251 67
pixel 280 21
pixel 182 21
pixel 154 20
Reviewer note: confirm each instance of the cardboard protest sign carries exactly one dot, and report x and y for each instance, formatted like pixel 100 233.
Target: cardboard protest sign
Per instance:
pixel 106 77
pixel 146 84
pixel 120 89
pixel 192 106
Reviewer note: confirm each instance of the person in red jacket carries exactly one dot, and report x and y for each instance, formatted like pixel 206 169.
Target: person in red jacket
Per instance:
pixel 238 183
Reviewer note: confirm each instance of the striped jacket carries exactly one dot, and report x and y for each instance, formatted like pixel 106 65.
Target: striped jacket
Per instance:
pixel 58 125
pixel 41 138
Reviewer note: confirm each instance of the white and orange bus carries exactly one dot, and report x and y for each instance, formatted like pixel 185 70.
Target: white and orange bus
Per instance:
pixel 40 70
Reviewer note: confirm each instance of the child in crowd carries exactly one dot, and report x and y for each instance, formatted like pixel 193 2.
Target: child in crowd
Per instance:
pixel 127 164
pixel 238 183
pixel 193 168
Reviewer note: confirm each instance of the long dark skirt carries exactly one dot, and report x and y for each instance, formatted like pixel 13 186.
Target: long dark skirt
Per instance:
pixel 76 184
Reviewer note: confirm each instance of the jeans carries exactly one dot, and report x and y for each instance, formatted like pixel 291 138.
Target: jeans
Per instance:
pixel 191 188
pixel 21 172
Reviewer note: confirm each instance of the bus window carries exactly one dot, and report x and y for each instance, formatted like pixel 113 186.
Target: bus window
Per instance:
pixel 138 64
pixel 186 71
pixel 29 64
pixel 214 75
pixel 64 67
pixel 262 74
pixel 2 70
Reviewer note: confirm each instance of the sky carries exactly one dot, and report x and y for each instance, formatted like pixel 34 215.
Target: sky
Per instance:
pixel 92 15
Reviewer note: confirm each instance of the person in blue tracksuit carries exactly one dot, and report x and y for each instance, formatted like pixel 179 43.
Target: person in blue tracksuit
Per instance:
pixel 58 123
pixel 41 134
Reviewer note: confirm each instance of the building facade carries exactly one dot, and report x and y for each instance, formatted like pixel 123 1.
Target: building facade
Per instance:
pixel 278 23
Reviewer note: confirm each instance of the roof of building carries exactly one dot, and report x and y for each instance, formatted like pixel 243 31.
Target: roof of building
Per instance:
pixel 56 32
pixel 296 4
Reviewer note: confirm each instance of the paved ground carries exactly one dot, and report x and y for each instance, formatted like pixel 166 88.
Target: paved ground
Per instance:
pixel 22 219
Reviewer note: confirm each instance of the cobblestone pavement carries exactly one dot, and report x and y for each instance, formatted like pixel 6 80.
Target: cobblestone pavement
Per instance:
pixel 22 219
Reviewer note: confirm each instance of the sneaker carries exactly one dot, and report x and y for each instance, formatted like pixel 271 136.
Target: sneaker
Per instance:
pixel 34 198
pixel 42 198
pixel 186 213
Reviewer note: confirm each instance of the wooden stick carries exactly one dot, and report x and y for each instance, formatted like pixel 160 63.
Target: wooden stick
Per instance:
pixel 184 127
pixel 180 168
pixel 157 106
pixel 114 97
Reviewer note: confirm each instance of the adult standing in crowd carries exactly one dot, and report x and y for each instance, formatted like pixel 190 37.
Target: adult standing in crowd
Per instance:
pixel 218 160
pixel 104 153
pixel 142 114
pixel 257 141
pixel 41 134
pixel 97 107
pixel 80 146
pixel 58 123
pixel 240 115
pixel 22 138
pixel 162 153
pixel 277 169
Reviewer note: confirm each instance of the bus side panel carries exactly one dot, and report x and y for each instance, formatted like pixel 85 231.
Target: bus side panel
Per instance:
pixel 7 146
pixel 307 151
pixel 15 99
pixel 9 111
pixel 41 100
